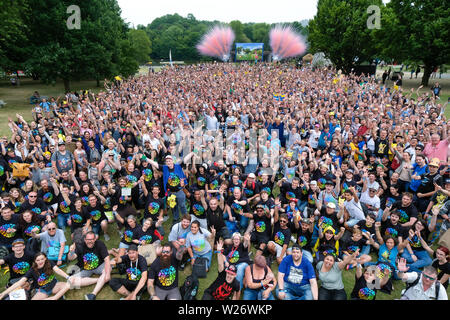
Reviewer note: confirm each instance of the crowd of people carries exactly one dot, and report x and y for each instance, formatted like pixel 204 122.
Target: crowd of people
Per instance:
pixel 288 176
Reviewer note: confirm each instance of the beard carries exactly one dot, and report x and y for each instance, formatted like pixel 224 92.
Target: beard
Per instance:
pixel 165 261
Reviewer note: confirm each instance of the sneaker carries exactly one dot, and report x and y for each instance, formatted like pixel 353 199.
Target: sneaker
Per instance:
pixel 62 298
pixel 165 218
pixel 120 234
pixel 182 266
pixel 89 296
pixel 107 237
pixel 138 297
pixel 293 239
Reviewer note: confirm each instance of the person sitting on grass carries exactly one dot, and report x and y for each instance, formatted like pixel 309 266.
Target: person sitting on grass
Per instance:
pixel 92 258
pixel 43 273
pixel 134 283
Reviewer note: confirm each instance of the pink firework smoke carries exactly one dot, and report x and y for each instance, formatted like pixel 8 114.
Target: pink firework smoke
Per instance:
pixel 285 42
pixel 217 43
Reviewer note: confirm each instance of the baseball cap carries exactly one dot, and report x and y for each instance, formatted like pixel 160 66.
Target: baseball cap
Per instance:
pixel 231 269
pixel 259 206
pixel 447 180
pixel 329 182
pixel 251 175
pixel 349 170
pixel 168 157
pixel 313 182
pixel 331 205
pixel 18 241
pixel 61 143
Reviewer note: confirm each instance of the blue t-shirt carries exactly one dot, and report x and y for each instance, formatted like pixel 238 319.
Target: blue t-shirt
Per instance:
pixel 296 275
pixel 384 255
pixel 417 171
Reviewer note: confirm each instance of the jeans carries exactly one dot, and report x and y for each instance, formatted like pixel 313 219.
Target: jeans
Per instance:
pixel 62 220
pixel 365 250
pixel 423 260
pixel 325 294
pixel 255 294
pixel 180 207
pixel 295 292
pixel 240 272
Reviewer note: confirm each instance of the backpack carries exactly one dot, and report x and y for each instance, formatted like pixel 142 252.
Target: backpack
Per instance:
pixel 199 267
pixel 437 286
pixel 189 288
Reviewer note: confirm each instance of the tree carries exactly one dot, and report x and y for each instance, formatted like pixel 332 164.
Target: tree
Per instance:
pixel 340 30
pixel 93 51
pixel 141 45
pixel 238 29
pixel 13 34
pixel 417 31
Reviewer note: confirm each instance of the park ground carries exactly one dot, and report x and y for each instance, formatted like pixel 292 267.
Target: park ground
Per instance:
pixel 17 99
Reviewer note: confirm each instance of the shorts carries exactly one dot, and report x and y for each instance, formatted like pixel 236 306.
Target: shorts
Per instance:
pixel 47 292
pixel 223 233
pixel 117 283
pixel 278 248
pixel 259 238
pixel 88 273
pixel 170 294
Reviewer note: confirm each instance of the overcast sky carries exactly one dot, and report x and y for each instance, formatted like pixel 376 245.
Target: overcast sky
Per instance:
pixel 145 11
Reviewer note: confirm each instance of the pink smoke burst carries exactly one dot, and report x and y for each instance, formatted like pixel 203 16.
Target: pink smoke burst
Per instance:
pixel 285 43
pixel 217 43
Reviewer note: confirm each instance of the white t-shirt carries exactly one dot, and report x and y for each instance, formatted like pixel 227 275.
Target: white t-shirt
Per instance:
pixel 366 199
pixel 354 209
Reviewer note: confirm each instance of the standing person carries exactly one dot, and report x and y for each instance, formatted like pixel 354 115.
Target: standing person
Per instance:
pixel 162 283
pixel 226 285
pixel 63 160
pixel 92 258
pixel 136 275
pixel 296 277
pixel 259 281
pixel 43 273
pixel 330 274
pixel 424 286
pixel 174 182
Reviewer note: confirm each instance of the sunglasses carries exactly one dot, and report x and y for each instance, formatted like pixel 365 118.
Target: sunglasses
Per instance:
pixel 50 229
pixel 428 277
pixel 165 251
pixel 32 196
pixel 283 221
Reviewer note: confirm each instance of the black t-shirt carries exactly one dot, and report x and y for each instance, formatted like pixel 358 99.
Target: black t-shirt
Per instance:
pixel 304 238
pixel 361 291
pixel 326 220
pixel 96 213
pixel 214 182
pixel 91 258
pixel 153 207
pixel 130 233
pixel 164 278
pixel 18 267
pixel 132 177
pixel 381 147
pixel 120 200
pixel 287 192
pixel 427 183
pixel 220 289
pixel 197 208
pixel 415 242
pixel 201 181
pixel 251 189
pixel 47 195
pixel 236 255
pixel 364 227
pixel 36 222
pixel 388 229
pixel 134 269
pixel 148 236
pixel 262 225
pixel 41 280
pixel 38 207
pixel 406 213
pixel 215 218
pixel 63 207
pixel 442 269
pixel 353 245
pixel 79 218
pixel 268 186
pixel 13 223
pixel 281 236
pixel 235 207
